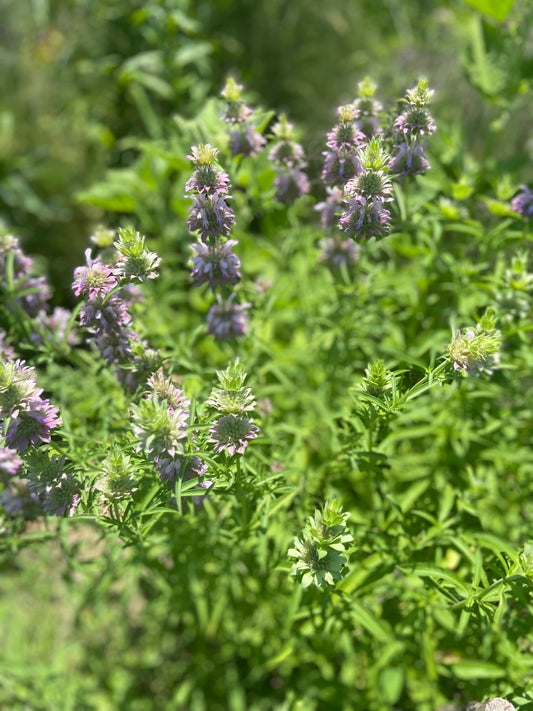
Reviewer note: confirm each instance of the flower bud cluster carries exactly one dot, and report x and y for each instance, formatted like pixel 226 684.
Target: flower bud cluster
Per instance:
pixel 476 350
pixel 214 262
pixel 288 156
pixel 411 126
pixel 233 430
pixel 320 551
pixel 244 139
pixel 108 291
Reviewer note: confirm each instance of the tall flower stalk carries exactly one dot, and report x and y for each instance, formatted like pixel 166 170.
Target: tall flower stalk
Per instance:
pixel 214 262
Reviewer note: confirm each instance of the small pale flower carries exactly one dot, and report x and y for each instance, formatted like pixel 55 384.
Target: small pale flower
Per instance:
pixel 290 184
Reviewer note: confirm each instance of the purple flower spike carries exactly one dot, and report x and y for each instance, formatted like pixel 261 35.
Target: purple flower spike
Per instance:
pixel 216 264
pixel 227 320
pixel 232 433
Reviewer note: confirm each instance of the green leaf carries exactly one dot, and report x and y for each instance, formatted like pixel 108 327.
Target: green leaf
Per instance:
pixel 473 669
pixel 379 629
pixel 498 9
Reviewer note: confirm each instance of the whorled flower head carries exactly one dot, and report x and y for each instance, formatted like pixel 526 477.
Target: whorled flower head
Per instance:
pixel 116 480
pixel 523 202
pixel 340 166
pixel 409 160
pixel 206 178
pixel 476 350
pixel 170 469
pixel 345 135
pixel 330 208
pixel 370 184
pixel 291 183
pixel 365 218
pixel 320 551
pixel 160 430
pixel 211 217
pixel 164 389
pixel 232 433
pixel 245 141
pixel 62 497
pixel 43 471
pixel 226 319
pixel 216 264
pixel 337 251
pixel 17 387
pixel 415 121
pixel 232 397
pixel 134 261
pixel 32 425
pixel 93 281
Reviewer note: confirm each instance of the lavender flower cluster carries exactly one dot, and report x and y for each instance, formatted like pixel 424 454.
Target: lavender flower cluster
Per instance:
pixel 108 291
pixel 214 262
pixel 27 421
pixel 358 164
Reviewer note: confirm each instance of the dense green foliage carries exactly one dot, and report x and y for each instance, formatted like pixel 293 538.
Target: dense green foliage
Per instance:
pixel 373 546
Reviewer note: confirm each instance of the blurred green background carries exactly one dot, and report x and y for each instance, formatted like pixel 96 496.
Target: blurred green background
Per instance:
pixel 86 80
